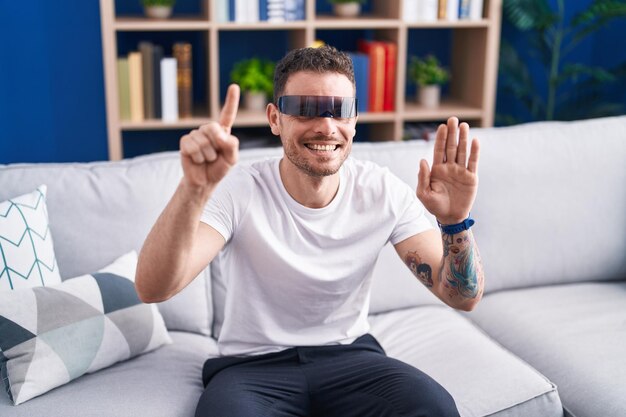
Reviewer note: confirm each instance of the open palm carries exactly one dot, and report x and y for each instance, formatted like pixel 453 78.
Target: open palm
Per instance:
pixel 448 189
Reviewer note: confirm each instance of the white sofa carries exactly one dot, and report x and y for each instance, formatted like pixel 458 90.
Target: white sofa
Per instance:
pixel 547 340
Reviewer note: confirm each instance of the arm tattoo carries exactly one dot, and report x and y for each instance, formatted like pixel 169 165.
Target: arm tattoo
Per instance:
pixel 460 266
pixel 422 271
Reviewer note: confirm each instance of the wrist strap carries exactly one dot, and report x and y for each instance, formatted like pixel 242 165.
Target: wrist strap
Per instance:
pixel 452 229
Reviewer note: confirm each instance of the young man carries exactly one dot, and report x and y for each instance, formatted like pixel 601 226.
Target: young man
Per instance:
pixel 293 242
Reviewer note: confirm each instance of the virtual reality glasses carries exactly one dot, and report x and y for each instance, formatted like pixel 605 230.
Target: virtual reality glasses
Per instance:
pixel 318 106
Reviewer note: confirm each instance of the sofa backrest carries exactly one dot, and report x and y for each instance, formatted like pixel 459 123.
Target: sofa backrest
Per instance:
pixel 99 211
pixel 551 205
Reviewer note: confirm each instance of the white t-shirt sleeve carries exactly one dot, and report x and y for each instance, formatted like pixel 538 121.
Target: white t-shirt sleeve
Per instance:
pixel 227 204
pixel 412 218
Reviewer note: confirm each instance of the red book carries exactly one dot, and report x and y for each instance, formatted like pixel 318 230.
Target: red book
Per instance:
pixel 391 59
pixel 376 53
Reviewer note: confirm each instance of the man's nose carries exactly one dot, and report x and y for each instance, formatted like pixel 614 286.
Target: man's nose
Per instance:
pixel 325 126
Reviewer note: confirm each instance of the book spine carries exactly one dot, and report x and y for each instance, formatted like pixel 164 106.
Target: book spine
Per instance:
pixel 476 9
pixel 253 10
pixel 360 62
pixel 276 10
pixel 231 11
pixel 157 55
pixel 145 48
pixel 391 59
pixel 464 9
pixel 241 14
pixel 169 90
pixel 410 13
pixel 376 53
pixel 429 10
pixel 135 81
pixel 123 88
pixel 222 11
pixel 452 10
pixel 443 10
pixel 182 53
pixel 263 10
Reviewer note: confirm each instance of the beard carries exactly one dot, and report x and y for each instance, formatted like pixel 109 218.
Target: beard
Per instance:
pixel 319 166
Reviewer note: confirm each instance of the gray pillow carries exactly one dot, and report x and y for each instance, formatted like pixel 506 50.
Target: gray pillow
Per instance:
pixel 52 335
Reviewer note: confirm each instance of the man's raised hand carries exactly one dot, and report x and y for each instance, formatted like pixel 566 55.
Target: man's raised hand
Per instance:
pixel 208 153
pixel 449 189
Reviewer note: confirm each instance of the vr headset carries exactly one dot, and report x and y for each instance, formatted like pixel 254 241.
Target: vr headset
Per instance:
pixel 318 106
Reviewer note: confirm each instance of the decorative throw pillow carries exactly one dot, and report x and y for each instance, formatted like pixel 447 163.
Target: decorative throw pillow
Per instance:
pixel 52 335
pixel 26 250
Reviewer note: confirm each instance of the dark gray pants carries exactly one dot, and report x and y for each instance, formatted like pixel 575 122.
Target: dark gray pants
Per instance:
pixel 341 380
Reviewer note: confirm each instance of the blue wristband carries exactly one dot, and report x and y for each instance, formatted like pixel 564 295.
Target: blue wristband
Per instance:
pixel 452 229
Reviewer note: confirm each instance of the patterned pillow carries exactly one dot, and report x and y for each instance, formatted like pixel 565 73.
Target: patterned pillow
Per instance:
pixel 26 250
pixel 52 335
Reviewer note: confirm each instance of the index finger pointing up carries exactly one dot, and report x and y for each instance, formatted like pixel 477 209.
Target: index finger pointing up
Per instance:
pixel 229 111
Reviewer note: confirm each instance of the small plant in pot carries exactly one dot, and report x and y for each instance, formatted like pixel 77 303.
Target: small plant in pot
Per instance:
pixel 255 77
pixel 158 9
pixel 347 8
pixel 429 76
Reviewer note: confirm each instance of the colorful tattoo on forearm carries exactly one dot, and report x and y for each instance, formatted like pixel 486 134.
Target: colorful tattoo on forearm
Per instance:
pixel 460 266
pixel 422 271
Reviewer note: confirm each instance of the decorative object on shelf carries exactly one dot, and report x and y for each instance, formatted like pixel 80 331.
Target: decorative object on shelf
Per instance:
pixel 347 8
pixel 550 39
pixel 429 75
pixel 255 77
pixel 158 9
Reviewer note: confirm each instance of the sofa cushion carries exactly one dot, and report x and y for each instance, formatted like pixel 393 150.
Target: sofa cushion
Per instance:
pixel 52 335
pixel 484 378
pixel 26 246
pixel 551 203
pixel 574 334
pixel 99 211
pixel 163 383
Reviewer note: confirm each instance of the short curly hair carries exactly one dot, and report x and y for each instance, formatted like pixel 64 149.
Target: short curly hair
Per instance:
pixel 321 60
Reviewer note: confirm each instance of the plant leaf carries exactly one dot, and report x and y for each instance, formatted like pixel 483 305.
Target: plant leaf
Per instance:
pixel 529 14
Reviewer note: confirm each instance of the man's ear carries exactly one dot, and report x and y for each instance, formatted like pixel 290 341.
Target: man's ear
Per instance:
pixel 272 117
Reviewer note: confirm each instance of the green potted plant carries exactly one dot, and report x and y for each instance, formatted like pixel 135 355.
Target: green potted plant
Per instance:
pixel 255 77
pixel 158 9
pixel 429 76
pixel 347 8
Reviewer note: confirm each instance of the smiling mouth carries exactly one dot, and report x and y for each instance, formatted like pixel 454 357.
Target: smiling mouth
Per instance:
pixel 321 148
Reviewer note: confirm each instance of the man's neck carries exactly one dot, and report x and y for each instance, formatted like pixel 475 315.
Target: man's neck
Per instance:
pixel 310 191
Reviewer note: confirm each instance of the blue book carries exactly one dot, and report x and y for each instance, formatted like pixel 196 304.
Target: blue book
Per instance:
pixel 361 63
pixel 263 10
pixel 464 9
pixel 231 10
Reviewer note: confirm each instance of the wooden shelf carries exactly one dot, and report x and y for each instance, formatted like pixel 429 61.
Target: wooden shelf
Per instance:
pixel 142 24
pixel 473 51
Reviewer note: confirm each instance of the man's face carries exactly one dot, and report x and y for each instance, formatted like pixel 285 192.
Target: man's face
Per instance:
pixel 316 146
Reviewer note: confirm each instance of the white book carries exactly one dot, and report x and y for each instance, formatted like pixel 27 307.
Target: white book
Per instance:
pixel 476 10
pixel 452 11
pixel 169 90
pixel 429 10
pixel 222 11
pixel 241 14
pixel 411 11
pixel 253 11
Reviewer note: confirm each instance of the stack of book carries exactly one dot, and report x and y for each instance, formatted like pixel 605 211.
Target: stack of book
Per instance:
pixel 451 10
pixel 152 86
pixel 375 67
pixel 252 11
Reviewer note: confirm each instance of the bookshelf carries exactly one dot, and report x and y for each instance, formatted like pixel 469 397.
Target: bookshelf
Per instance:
pixel 473 61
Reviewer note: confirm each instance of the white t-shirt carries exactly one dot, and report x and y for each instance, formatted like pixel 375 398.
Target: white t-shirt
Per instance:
pixel 290 275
